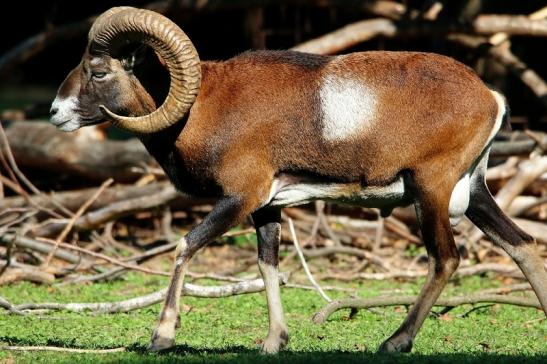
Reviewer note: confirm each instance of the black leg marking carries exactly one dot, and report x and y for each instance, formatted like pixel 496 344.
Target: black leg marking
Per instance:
pixel 484 212
pixel 443 256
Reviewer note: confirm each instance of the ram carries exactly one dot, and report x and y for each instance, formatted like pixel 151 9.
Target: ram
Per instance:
pixel 269 129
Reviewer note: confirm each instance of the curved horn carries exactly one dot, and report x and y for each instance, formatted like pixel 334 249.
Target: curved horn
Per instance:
pixel 103 18
pixel 124 25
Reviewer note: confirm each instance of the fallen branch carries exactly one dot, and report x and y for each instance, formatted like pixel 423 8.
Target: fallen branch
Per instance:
pixel 361 31
pixel 44 248
pixel 61 349
pixel 304 265
pixel 41 146
pixel 503 55
pixel 74 199
pixel 252 286
pixel 114 211
pixel 33 275
pixel 358 303
pixel 73 219
pixel 104 257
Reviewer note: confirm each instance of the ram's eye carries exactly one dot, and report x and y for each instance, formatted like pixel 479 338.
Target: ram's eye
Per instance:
pixel 98 75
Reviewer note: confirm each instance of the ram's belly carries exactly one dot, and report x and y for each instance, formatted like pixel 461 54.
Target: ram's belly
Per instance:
pixel 353 194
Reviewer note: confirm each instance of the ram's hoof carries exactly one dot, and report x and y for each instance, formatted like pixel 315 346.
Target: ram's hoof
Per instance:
pixel 273 343
pixel 159 343
pixel 398 344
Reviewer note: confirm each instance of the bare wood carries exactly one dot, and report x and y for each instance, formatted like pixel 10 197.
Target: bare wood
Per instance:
pixel 358 32
pixel 251 286
pixel 33 275
pixel 40 145
pixel 520 147
pixel 356 303
pixel 21 192
pixel 509 289
pixel 103 257
pixel 114 211
pixel 523 204
pixel 511 25
pixel 348 36
pixel 502 37
pixel 8 306
pixel 305 265
pixel 38 246
pixel 73 219
pixel 386 8
pixel 321 252
pixel 503 171
pixel 73 199
pixel 528 171
pixel 504 55
pixel 528 76
pixel 15 171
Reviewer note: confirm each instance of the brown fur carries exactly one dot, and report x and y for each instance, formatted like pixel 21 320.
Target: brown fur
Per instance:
pixel 256 117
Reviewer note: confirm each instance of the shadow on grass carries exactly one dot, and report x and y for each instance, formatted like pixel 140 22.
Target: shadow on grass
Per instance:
pixel 237 354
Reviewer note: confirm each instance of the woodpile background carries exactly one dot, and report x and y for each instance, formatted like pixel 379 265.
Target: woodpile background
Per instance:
pixel 92 205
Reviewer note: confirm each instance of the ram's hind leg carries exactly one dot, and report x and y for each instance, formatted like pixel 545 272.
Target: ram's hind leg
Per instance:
pixel 486 214
pixel 268 229
pixel 432 209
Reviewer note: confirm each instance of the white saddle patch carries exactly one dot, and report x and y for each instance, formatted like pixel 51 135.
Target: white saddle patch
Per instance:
pixel 347 107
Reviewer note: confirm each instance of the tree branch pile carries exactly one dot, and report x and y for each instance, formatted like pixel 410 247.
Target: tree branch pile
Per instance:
pixel 58 231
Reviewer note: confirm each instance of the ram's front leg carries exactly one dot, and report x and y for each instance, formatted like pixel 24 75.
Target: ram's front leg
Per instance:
pixel 226 213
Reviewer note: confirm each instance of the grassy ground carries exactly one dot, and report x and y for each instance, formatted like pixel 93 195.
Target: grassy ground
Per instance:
pixel 229 330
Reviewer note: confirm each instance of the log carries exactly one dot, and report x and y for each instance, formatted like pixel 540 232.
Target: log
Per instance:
pixel 72 200
pixel 41 146
pixel 12 275
pixel 503 55
pixel 111 212
pixel 358 32
pixel 40 247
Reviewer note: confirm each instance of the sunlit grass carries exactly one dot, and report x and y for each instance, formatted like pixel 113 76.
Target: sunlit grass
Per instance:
pixel 229 330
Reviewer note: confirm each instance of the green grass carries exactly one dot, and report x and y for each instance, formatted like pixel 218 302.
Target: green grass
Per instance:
pixel 228 330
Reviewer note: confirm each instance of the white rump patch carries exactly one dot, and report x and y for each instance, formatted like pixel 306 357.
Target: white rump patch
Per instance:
pixel 459 201
pixel 348 107
pixel 500 100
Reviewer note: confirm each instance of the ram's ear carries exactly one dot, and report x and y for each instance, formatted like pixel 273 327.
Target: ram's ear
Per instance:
pixel 134 57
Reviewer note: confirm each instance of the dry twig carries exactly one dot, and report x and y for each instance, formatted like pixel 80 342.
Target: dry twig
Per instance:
pixel 304 265
pixel 356 303
pixel 73 219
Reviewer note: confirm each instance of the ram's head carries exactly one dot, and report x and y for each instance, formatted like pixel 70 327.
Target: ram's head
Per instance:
pixel 104 87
